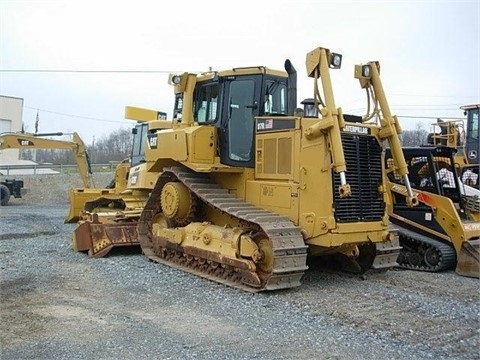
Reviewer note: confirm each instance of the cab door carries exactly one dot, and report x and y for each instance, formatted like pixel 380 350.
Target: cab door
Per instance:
pixel 240 106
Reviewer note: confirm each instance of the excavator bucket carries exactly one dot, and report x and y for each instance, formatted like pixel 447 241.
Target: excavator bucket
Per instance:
pixel 468 262
pixel 99 238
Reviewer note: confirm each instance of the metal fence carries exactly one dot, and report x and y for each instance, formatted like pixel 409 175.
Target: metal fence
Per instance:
pixel 37 169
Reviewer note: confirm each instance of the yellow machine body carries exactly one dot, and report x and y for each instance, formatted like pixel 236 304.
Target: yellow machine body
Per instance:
pixel 245 187
pixel 107 217
pixel 443 231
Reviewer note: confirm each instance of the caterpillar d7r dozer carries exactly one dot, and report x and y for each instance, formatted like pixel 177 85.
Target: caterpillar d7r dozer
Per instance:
pixel 443 231
pixel 245 188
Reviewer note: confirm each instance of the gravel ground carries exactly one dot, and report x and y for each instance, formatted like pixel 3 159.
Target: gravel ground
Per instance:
pixel 58 304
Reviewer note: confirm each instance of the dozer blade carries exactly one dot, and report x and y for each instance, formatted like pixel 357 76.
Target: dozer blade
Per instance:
pixel 99 238
pixel 468 262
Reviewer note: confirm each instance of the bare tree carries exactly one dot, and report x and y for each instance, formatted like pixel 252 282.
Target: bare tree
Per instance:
pixel 113 147
pixel 415 137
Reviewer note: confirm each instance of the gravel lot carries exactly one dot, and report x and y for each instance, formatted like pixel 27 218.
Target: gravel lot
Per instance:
pixel 58 304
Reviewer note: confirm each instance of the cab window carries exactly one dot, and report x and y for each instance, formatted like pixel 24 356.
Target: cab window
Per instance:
pixel 474 126
pixel 139 141
pixel 275 100
pixel 206 104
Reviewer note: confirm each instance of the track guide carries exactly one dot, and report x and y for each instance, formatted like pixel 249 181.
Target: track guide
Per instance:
pixel 288 246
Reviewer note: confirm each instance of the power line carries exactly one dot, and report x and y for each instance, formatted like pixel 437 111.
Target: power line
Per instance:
pixel 431 96
pixel 425 106
pixel 85 71
pixel 72 115
pixel 357 110
pixel 430 117
pixel 409 109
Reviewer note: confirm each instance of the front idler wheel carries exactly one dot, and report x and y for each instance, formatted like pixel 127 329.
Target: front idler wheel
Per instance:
pixel 178 203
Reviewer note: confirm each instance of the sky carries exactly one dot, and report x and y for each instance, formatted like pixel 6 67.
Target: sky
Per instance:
pixel 79 63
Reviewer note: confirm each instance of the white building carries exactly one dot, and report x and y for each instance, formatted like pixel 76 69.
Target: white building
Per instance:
pixel 11 114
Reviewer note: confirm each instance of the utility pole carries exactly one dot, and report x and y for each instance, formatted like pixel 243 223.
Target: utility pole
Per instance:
pixel 93 150
pixel 36 132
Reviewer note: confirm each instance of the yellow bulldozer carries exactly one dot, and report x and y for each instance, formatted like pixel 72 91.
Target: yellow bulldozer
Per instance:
pixel 240 186
pixel 115 210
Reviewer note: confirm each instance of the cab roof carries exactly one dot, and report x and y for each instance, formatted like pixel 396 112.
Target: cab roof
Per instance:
pixel 253 70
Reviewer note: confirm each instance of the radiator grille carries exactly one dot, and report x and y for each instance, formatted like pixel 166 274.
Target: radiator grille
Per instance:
pixel 363 156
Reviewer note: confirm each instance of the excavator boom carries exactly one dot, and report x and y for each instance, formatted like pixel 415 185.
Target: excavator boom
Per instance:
pixel 38 141
pixel 78 198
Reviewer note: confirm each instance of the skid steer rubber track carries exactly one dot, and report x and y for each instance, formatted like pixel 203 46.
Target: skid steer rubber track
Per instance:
pixel 422 253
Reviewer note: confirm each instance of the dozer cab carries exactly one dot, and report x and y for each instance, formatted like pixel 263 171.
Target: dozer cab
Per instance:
pixel 443 231
pixel 246 186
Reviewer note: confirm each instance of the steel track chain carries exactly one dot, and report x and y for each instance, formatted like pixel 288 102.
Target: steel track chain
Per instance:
pixel 288 246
